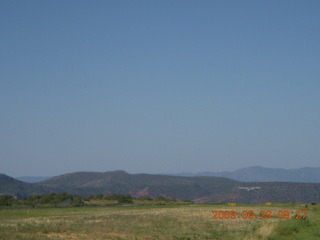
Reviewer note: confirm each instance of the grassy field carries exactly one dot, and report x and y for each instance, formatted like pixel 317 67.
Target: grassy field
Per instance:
pixel 159 222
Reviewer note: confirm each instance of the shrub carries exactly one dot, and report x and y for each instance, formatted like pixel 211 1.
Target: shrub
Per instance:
pixel 125 198
pixel 146 198
pixel 6 200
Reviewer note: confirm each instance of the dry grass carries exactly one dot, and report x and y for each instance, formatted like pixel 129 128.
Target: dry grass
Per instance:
pixel 157 222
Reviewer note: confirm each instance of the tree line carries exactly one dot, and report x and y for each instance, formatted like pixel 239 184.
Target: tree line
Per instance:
pixel 58 199
pixel 52 199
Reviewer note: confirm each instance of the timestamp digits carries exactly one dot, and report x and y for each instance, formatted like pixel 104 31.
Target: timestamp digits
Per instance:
pixel 249 214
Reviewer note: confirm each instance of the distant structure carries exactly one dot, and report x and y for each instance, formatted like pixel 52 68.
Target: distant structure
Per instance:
pixel 249 188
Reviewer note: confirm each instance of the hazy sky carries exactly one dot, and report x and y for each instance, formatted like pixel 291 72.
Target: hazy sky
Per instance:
pixel 158 86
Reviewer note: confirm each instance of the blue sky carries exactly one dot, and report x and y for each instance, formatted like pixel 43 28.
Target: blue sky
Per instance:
pixel 158 86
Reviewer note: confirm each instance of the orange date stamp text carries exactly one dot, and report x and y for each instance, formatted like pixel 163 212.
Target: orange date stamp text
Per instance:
pixel 250 214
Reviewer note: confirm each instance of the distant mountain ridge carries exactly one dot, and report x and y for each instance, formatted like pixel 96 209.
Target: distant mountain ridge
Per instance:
pixel 262 174
pixel 198 189
pixel 250 174
pixel 30 179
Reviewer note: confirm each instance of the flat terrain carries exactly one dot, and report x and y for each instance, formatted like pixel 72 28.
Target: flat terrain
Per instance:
pixel 159 222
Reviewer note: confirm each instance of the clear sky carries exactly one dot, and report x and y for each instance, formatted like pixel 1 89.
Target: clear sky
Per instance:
pixel 158 86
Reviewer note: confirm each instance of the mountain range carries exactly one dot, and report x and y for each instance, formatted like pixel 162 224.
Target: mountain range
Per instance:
pixel 196 188
pixel 263 174
pixel 250 174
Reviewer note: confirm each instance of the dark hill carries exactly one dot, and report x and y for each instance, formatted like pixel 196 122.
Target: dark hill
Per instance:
pixel 11 186
pixel 198 189
pixel 86 183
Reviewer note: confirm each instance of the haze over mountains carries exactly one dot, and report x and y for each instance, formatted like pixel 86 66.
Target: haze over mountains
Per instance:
pixel 196 188
pixel 30 179
pixel 250 174
pixel 262 174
